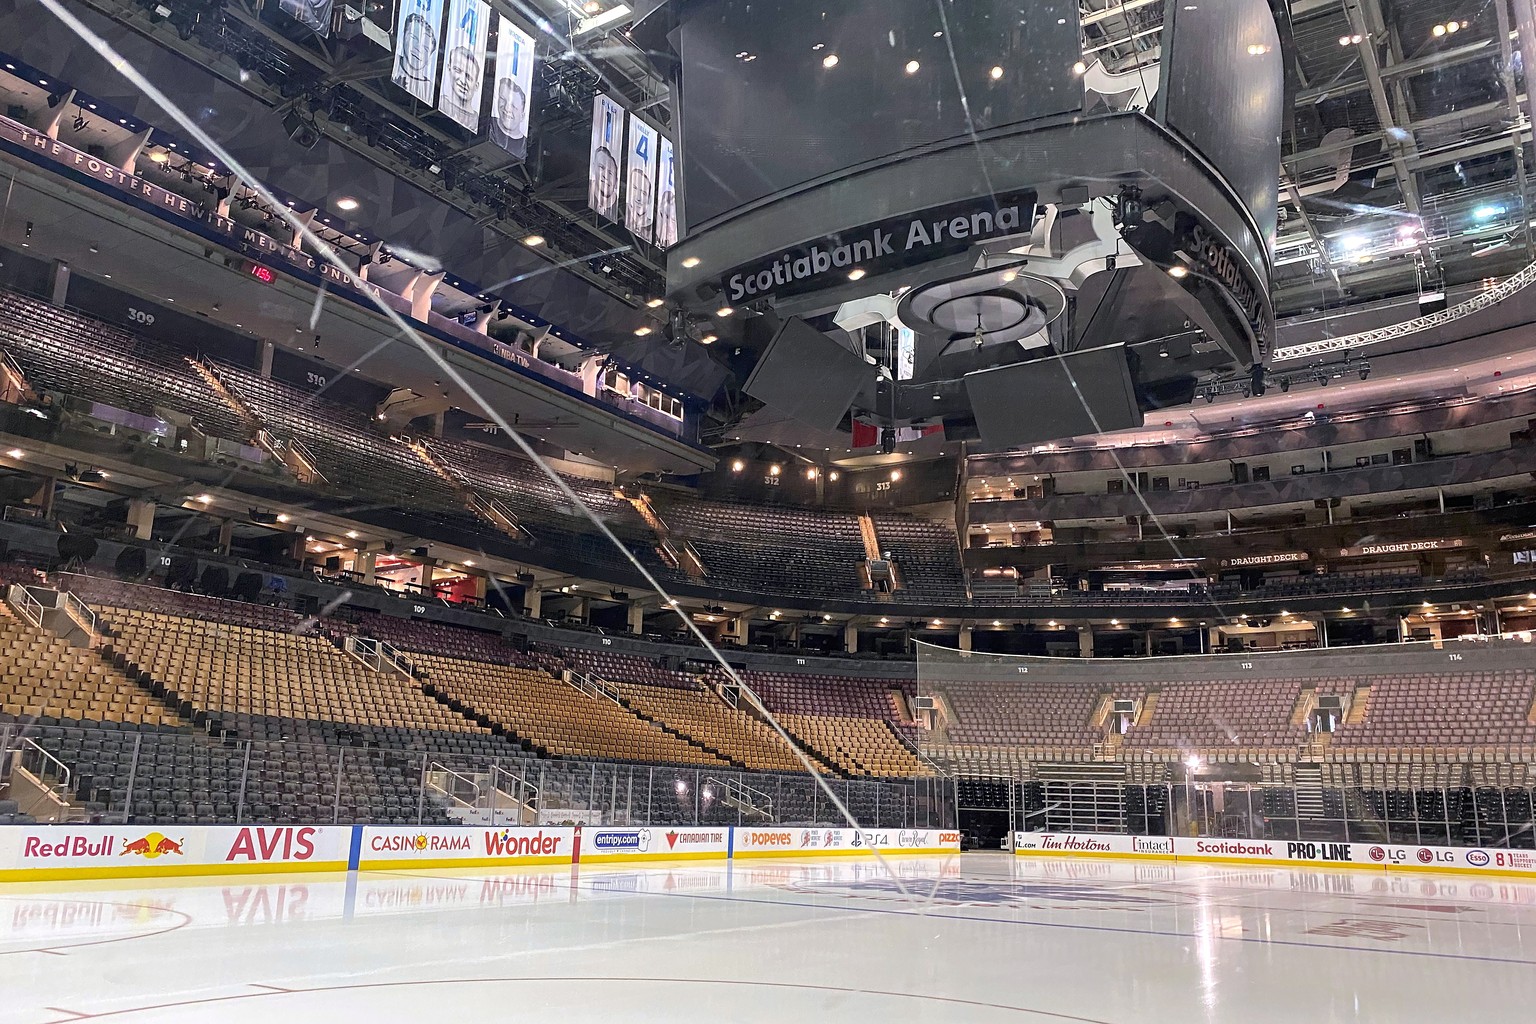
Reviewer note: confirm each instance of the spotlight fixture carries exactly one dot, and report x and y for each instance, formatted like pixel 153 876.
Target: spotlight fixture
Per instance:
pixel 913 67
pixel 829 61
pixel 533 241
pixel 347 204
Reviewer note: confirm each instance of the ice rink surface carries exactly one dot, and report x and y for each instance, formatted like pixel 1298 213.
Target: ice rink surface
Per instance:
pixel 992 938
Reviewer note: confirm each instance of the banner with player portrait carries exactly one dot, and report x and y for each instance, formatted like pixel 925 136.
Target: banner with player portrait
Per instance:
pixel 603 169
pixel 418 34
pixel 513 88
pixel 666 198
pixel 469 23
pixel 640 180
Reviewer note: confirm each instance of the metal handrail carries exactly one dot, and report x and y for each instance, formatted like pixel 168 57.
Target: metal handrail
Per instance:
pixel 526 796
pixel 438 766
pixel 64 773
pixel 82 611
pixel 743 793
pixel 22 600
pixel 592 686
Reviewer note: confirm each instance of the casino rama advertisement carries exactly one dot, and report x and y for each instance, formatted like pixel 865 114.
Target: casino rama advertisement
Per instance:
pixel 607 845
pixel 840 842
pixel 1289 853
pixel 42 852
pixel 463 847
pixel 35 852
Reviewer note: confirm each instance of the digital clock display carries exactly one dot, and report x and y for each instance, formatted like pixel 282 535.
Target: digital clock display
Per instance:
pixel 262 273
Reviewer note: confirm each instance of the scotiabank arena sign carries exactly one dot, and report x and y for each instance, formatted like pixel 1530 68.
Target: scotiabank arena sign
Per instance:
pixel 385 846
pixel 107 851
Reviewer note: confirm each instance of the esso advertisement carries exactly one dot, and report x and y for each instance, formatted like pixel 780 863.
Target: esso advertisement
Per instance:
pixel 600 845
pixel 464 846
pixel 129 851
pixel 1520 861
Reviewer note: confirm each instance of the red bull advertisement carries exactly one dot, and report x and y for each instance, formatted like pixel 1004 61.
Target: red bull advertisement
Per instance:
pixel 38 852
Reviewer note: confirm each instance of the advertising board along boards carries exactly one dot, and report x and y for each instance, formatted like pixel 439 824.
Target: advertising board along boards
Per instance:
pixel 396 847
pixel 629 845
pixel 41 852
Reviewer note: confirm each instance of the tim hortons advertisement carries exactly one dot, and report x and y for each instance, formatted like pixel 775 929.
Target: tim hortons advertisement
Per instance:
pixel 840 842
pixel 470 847
pixel 109 851
pixel 1059 843
pixel 603 845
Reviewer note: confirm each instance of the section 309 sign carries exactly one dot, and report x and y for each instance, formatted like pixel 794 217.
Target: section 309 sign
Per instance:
pixel 879 248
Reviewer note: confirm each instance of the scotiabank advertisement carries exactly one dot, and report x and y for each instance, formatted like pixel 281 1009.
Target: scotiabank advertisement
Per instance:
pixel 609 845
pixel 108 851
pixel 834 842
pixel 468 847
pixel 1286 852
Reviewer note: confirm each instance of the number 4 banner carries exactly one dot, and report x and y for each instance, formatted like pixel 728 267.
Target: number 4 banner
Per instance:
pixel 640 181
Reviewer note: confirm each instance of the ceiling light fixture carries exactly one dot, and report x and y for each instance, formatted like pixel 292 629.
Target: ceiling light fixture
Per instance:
pixel 533 241
pixel 829 61
pixel 691 262
pixel 347 204
pixel 913 67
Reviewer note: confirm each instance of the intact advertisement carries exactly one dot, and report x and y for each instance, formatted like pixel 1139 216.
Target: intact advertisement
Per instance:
pixel 33 852
pixel 608 845
pixel 1278 852
pixel 417 39
pixel 840 842
pixel 467 847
